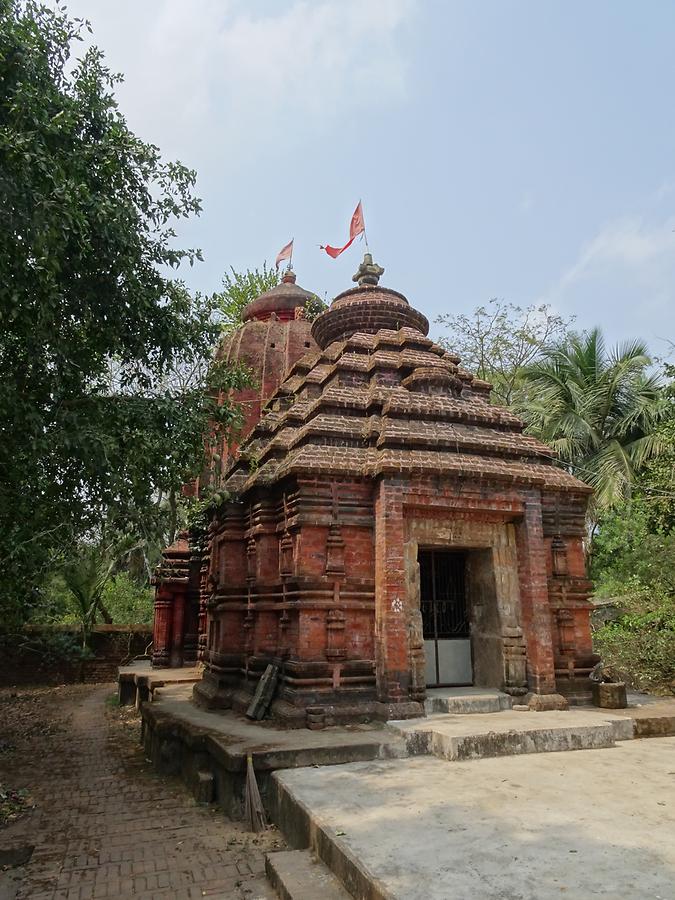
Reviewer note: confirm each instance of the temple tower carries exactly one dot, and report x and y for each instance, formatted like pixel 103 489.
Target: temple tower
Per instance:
pixel 396 531
pixel 274 334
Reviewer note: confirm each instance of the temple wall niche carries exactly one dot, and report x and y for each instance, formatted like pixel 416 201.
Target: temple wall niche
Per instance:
pixel 359 553
pixel 310 551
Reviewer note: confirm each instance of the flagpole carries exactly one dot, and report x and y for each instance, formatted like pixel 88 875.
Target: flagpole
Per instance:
pixel 365 235
pixel 290 258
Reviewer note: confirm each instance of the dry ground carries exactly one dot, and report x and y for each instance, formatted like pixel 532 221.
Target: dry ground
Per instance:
pixel 76 788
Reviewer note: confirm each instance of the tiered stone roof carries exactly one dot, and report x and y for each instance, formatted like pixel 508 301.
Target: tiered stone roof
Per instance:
pixel 380 397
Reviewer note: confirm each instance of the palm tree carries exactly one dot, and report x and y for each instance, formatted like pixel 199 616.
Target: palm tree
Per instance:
pixel 599 410
pixel 86 571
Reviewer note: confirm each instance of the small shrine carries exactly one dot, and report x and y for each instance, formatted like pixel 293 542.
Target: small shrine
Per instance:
pixel 385 528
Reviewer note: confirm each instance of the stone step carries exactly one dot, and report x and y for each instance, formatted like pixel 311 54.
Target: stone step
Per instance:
pixel 469 701
pixel 514 743
pixel 508 734
pixel 300 875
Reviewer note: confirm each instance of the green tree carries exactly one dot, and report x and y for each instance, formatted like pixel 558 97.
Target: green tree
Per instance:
pixel 85 577
pixel 241 288
pixel 657 480
pixel 498 341
pixel 599 410
pixel 93 327
pixel 633 564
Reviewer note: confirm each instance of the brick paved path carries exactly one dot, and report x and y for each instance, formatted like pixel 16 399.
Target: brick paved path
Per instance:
pixel 106 826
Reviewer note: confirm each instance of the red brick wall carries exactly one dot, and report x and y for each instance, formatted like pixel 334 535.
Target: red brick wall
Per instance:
pixel 113 645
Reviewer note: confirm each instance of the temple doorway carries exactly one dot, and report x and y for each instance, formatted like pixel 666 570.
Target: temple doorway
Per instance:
pixel 445 617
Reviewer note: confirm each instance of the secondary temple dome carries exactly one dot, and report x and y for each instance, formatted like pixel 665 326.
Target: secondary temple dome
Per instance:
pixel 274 334
pixel 282 301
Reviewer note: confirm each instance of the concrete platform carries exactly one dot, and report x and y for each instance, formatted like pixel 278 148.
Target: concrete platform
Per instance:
pixel 272 747
pixel 138 681
pixel 513 732
pixel 208 748
pixel 597 823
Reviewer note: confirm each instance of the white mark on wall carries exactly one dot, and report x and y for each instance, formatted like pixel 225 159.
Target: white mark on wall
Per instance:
pixel 397 605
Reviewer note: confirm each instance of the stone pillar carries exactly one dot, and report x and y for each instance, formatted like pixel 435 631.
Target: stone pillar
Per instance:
pixel 178 636
pixel 161 632
pixel 535 608
pixel 171 585
pixel 392 637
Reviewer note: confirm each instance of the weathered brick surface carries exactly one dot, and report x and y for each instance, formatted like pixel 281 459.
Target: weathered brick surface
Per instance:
pixel 274 335
pixel 31 660
pixel 106 826
pixel 378 429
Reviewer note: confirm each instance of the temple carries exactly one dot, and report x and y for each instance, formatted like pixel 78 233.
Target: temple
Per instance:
pixel 274 334
pixel 383 529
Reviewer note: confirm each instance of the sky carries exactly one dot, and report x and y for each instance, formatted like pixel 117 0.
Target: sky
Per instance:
pixel 520 149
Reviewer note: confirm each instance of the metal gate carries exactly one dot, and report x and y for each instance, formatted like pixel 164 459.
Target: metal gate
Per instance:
pixel 445 618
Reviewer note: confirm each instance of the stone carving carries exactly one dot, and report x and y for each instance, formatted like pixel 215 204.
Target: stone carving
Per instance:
pixel 335 552
pixel 559 554
pixel 335 634
pixel 417 658
pixel 368 271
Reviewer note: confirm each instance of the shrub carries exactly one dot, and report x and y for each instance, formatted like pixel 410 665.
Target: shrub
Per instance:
pixel 636 565
pixel 640 645
pixel 127 602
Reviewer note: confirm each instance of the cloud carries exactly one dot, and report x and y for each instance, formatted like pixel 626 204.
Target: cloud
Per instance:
pixel 526 203
pixel 623 278
pixel 245 79
pixel 628 243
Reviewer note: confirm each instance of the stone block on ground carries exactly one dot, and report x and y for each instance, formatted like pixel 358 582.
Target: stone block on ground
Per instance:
pixel 609 695
pixel 546 702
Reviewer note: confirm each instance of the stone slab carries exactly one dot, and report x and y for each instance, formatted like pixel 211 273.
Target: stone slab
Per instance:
pixel 138 681
pixel 511 732
pixel 466 701
pixel 299 875
pixel 597 823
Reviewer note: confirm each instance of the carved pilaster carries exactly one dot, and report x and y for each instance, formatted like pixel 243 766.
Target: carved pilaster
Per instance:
pixel 559 555
pixel 515 661
pixel 335 552
pixel 251 560
pixel 286 555
pixel 417 659
pixel 335 632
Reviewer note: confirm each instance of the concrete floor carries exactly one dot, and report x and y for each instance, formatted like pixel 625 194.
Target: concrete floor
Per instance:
pixel 593 823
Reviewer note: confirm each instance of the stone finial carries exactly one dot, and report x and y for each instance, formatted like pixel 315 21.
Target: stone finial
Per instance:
pixel 288 277
pixel 368 272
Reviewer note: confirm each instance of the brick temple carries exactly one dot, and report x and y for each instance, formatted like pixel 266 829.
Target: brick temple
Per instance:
pixel 274 334
pixel 386 529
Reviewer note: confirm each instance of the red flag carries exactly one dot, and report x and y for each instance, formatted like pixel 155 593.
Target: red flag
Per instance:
pixel 356 227
pixel 285 253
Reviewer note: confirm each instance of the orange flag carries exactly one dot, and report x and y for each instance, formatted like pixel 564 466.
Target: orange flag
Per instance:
pixel 285 253
pixel 356 227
